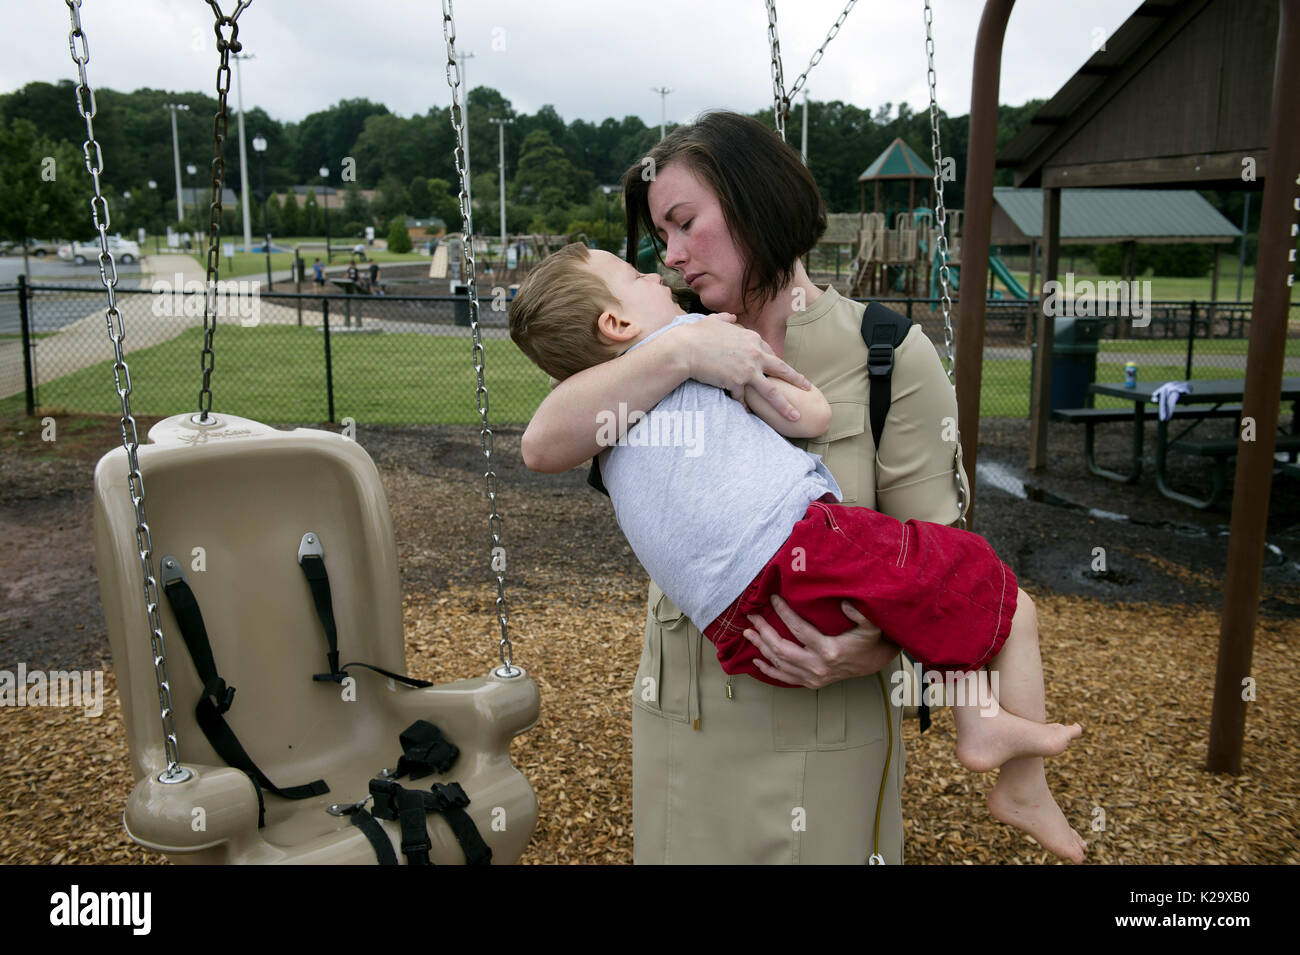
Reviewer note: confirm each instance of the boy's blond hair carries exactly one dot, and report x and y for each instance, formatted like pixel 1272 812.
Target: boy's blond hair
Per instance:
pixel 553 315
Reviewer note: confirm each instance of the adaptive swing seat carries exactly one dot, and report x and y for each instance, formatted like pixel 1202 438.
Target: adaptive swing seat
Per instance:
pixel 237 511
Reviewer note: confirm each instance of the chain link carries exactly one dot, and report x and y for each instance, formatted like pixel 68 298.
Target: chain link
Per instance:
pixel 481 394
pixel 781 100
pixel 941 243
pixel 122 381
pixel 226 45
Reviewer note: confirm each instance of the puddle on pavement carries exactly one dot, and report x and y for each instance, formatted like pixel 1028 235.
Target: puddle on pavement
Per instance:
pixel 994 474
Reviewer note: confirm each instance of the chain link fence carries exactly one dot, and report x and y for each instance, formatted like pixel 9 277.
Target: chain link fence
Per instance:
pixel 407 359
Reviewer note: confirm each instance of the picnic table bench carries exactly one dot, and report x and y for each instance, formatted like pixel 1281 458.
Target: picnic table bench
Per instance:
pixel 1091 417
pixel 1208 399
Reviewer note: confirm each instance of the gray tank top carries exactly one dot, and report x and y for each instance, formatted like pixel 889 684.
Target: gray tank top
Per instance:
pixel 706 492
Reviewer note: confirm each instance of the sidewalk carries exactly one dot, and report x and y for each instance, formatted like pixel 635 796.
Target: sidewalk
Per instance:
pixel 85 341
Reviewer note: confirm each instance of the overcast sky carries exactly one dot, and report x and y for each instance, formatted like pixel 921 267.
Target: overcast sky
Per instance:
pixel 589 59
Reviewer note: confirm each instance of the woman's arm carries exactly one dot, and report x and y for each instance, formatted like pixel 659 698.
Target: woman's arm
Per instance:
pixel 566 428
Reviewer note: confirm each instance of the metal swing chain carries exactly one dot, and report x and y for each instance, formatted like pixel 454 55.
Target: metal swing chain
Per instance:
pixel 941 243
pixel 481 394
pixel 122 379
pixel 780 98
pixel 225 46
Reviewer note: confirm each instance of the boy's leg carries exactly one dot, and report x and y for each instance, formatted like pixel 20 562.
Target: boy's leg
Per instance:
pixel 1013 734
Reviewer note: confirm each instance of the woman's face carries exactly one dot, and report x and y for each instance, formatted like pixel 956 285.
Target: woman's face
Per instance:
pixel 688 218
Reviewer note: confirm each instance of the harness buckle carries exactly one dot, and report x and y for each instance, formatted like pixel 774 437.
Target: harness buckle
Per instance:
pixel 448 796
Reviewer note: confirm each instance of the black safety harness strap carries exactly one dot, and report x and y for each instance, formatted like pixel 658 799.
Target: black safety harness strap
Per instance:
pixel 318 579
pixel 410 806
pixel 374 834
pixel 217 696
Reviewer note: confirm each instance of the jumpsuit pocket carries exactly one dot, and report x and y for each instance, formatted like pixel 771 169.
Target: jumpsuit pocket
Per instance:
pixel 842 455
pixel 663 679
pixel 844 715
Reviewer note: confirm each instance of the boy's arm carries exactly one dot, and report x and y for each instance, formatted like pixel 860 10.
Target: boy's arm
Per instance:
pixel 814 410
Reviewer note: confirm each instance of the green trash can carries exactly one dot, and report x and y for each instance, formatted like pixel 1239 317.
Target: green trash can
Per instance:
pixel 1074 361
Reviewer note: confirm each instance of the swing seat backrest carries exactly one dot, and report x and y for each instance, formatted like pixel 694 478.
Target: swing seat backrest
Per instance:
pixel 231 503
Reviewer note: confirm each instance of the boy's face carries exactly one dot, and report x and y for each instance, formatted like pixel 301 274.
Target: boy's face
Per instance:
pixel 646 304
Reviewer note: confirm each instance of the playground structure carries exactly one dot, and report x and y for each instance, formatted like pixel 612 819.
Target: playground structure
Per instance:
pixel 903 260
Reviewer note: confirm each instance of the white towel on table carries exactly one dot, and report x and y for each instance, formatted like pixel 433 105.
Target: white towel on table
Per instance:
pixel 1167 396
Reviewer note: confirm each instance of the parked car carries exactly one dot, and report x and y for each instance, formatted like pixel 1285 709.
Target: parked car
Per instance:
pixel 124 251
pixel 37 247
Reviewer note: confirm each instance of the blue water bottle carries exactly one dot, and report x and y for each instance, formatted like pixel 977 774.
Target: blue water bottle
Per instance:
pixel 1130 374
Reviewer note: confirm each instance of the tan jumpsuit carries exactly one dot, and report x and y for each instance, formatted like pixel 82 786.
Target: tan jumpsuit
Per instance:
pixel 769 775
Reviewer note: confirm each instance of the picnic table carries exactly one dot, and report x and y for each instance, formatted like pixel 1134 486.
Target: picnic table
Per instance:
pixel 1208 398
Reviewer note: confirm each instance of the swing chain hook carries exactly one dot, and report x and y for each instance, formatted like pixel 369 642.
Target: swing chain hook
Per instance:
pixel 507 668
pixel 941 246
pixel 225 46
pixel 122 380
pixel 780 98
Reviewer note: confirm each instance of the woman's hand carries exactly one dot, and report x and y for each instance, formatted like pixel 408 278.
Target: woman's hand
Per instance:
pixel 723 354
pixel 821 660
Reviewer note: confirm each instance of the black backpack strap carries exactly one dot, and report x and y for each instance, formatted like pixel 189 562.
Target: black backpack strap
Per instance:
pixel 312 561
pixel 883 330
pixel 217 696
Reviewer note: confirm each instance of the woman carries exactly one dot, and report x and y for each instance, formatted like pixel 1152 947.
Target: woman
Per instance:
pixel 732 769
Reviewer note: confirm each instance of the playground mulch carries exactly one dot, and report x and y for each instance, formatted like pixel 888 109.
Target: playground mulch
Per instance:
pixel 1131 657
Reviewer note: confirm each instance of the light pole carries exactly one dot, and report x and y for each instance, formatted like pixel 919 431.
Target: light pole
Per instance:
pixel 153 184
pixel 663 92
pixel 190 170
pixel 243 153
pixel 501 125
pixel 606 190
pixel 325 200
pixel 464 118
pixel 259 146
pixel 176 158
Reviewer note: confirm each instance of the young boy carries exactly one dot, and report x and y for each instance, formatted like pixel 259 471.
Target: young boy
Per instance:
pixel 762 517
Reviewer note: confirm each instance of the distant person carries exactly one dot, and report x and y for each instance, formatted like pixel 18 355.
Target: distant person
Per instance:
pixel 318 274
pixel 374 279
pixel 360 249
pixel 353 275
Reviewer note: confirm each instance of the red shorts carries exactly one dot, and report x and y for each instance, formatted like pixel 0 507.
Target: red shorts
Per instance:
pixel 940 593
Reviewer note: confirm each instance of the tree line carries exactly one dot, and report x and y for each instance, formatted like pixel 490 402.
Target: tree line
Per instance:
pixel 555 170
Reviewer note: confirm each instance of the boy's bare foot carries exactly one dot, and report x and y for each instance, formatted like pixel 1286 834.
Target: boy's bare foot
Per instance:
pixel 987 742
pixel 1028 804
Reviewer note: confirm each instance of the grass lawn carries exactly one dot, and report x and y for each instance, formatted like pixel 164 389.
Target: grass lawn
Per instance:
pixel 1204 346
pixel 1166 288
pixel 277 374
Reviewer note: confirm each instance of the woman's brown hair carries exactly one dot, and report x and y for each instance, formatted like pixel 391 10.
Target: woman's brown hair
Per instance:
pixel 769 199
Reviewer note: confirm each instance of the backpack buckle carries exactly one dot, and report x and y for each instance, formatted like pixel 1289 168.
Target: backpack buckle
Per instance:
pixel 880 360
